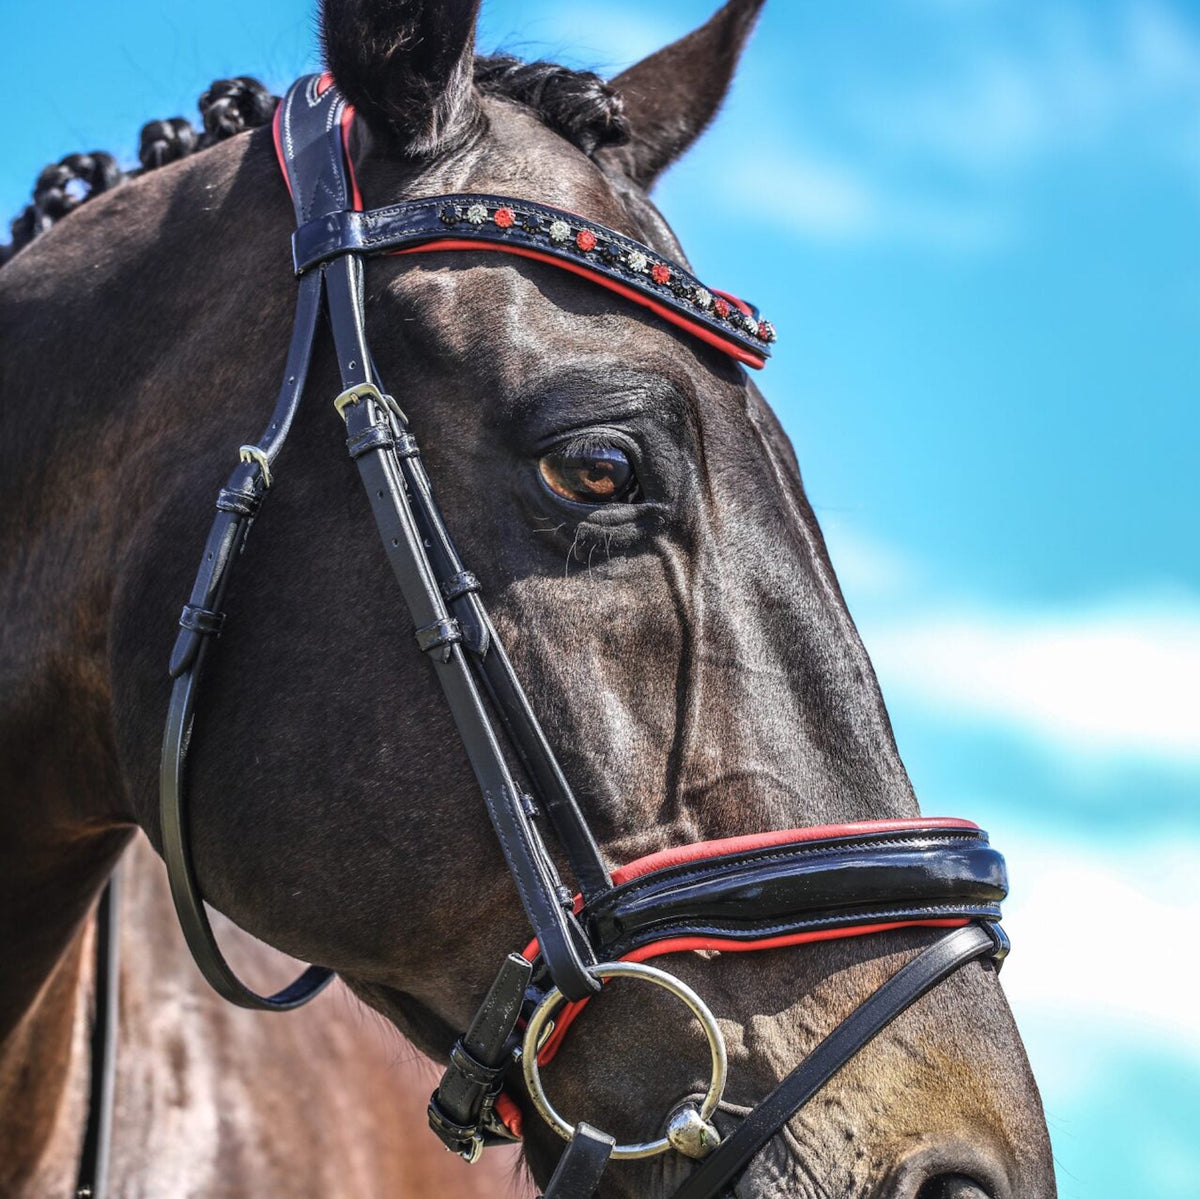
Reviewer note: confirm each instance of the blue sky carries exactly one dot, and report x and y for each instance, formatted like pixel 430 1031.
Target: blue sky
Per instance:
pixel 977 226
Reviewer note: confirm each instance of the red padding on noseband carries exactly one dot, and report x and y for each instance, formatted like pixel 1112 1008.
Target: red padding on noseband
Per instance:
pixel 792 836
pixel 656 949
pixel 705 334
pixel 727 846
pixel 507 1109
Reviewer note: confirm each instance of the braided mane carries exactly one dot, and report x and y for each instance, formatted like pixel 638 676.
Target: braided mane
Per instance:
pixel 578 105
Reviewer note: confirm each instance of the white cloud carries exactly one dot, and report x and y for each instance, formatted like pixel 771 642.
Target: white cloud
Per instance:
pixel 1101 936
pixel 1123 679
pixel 820 198
pixel 808 194
pixel 1061 78
pixel 866 569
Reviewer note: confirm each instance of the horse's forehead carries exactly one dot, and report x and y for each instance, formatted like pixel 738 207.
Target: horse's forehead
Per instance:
pixel 519 156
pixel 509 323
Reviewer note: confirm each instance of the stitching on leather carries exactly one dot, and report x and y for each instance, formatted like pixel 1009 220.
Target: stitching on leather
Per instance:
pixel 700 869
pixel 664 932
pixel 516 874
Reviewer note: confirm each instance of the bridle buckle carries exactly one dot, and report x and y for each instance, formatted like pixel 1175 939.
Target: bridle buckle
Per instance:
pixel 366 391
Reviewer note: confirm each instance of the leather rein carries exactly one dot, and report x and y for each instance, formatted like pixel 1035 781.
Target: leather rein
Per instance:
pixel 778 888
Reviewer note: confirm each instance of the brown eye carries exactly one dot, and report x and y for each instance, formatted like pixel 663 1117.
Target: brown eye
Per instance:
pixel 589 474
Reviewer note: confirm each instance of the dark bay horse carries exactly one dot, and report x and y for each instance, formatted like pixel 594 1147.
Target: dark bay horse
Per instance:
pixel 669 605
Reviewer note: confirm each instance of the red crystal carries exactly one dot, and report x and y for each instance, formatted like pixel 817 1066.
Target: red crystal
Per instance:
pixel 660 273
pixel 585 239
pixel 504 217
pixel 766 331
pixel 721 307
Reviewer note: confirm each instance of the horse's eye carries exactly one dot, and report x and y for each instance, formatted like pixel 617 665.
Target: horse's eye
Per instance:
pixel 597 474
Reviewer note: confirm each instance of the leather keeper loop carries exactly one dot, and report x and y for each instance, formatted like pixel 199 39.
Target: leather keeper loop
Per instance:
pixel 456 1137
pixel 463 583
pixel 240 503
pixel 440 633
pixel 406 446
pixel 373 437
pixel 201 620
pixel 486 1077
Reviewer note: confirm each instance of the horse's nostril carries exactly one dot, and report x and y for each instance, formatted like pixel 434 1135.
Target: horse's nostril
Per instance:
pixel 951 1186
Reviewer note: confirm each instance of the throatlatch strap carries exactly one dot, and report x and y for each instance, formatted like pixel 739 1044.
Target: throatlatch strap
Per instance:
pixel 237 505
pixel 874 1014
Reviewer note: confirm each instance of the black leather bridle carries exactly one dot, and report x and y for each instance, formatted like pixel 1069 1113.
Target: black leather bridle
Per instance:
pixel 777 888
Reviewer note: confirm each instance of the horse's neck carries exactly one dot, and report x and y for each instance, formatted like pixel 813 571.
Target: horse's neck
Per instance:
pixel 43 1080
pixel 213 1100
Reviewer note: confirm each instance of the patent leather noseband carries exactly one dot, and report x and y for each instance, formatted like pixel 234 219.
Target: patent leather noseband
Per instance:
pixel 772 889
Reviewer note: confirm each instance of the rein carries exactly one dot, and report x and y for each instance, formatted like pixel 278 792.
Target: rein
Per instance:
pixel 745 893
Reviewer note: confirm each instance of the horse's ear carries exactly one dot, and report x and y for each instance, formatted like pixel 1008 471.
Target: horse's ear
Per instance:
pixel 671 96
pixel 407 66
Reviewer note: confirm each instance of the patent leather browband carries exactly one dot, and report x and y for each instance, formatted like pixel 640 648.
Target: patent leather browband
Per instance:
pixel 780 888
pixel 545 234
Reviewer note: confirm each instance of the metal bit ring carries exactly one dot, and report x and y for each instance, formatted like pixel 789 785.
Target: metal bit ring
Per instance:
pixel 554 999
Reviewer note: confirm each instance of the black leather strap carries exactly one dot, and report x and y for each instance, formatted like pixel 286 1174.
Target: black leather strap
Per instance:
pixel 874 1014
pixel 495 673
pixel 567 953
pixel 237 503
pixel 934 874
pixel 91 1180
pixel 310 136
pixel 462 1104
pixel 579 1170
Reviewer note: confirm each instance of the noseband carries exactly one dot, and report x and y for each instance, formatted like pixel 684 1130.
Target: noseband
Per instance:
pixel 745 893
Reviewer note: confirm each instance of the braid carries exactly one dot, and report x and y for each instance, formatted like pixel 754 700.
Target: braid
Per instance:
pixel 161 142
pixel 579 105
pixel 228 107
pixel 233 105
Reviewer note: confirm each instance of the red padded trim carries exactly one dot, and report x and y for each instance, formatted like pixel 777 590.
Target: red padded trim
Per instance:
pixel 510 1115
pixel 792 836
pixel 743 355
pixel 323 85
pixel 655 949
pixel 279 145
pixel 347 124
pixel 705 850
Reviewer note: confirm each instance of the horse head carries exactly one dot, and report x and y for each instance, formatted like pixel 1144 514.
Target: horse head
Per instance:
pixel 649 559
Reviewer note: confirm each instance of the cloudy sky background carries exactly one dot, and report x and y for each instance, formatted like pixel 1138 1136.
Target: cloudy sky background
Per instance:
pixel 977 226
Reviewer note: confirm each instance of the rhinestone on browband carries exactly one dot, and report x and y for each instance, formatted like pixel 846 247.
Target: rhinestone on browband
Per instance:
pixel 561 233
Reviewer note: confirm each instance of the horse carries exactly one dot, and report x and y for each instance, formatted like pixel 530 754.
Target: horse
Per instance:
pixel 637 518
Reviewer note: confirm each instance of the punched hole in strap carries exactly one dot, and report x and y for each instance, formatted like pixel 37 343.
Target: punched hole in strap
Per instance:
pixel 201 620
